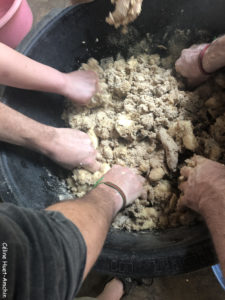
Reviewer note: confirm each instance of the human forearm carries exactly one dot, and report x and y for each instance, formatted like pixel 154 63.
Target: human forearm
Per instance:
pixel 93 215
pixel 20 71
pixel 214 57
pixel 213 211
pixel 18 129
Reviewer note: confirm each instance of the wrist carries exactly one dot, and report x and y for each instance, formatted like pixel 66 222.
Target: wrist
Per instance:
pixel 60 83
pixel 63 88
pixel 213 59
pixel 112 195
pixel 42 140
pixel 211 202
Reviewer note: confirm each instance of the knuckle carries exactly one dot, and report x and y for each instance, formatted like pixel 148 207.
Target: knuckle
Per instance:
pixel 88 161
pixel 185 52
pixel 178 63
pixel 83 134
pixel 116 167
pixel 93 154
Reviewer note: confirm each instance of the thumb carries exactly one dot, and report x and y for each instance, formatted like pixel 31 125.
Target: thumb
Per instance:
pixel 93 167
pixel 141 179
pixel 179 66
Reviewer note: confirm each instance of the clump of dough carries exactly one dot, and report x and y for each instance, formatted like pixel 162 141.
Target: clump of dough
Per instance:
pixel 183 132
pixel 170 147
pixel 126 11
pixel 156 174
pixel 125 127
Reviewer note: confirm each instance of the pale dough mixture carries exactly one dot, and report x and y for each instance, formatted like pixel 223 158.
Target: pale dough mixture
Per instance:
pixel 126 11
pixel 143 119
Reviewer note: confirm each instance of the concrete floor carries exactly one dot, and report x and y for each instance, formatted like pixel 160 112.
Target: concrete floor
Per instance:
pixel 199 285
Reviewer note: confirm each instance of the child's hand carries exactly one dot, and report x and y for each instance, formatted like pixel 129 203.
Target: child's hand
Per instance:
pixel 80 86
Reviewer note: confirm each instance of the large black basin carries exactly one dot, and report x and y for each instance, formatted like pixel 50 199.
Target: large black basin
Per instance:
pixel 31 180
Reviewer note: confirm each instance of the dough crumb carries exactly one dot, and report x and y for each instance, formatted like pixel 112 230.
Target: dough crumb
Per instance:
pixel 156 174
pixel 183 131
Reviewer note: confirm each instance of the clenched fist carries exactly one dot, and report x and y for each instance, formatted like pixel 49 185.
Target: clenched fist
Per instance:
pixel 188 65
pixel 80 86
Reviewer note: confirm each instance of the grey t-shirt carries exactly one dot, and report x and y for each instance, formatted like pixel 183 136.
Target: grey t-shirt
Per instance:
pixel 43 255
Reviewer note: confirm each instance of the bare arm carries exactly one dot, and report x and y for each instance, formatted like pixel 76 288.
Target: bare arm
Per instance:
pixel 94 213
pixel 67 147
pixel 204 192
pixel 20 71
pixel 214 215
pixel 214 58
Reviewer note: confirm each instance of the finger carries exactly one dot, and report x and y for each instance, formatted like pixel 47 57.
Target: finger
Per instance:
pixel 144 194
pixel 180 203
pixel 198 46
pixel 181 179
pixel 91 164
pixel 93 167
pixel 93 152
pixel 97 86
pixel 194 46
pixel 199 159
pixel 134 170
pixel 186 171
pixel 141 179
pixel 192 83
pixel 177 65
pixel 182 186
pixel 116 167
pixel 92 74
pixel 95 78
